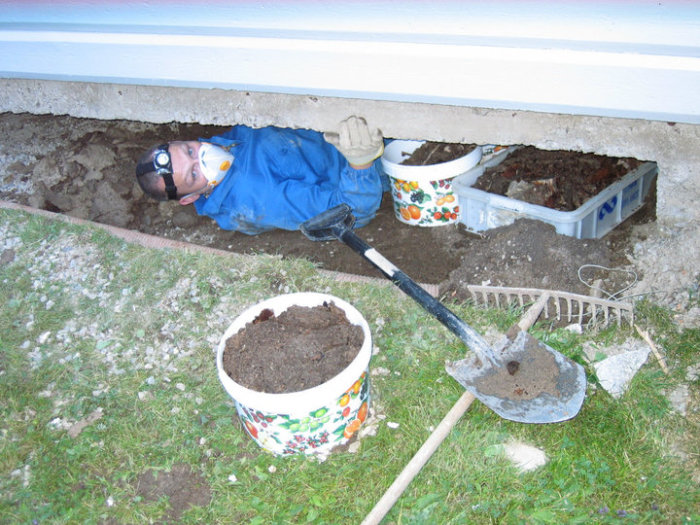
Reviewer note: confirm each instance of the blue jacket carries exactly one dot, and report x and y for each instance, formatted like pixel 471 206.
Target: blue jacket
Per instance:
pixel 282 177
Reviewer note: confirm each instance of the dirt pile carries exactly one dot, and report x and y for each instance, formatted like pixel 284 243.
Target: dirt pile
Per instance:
pixel 298 349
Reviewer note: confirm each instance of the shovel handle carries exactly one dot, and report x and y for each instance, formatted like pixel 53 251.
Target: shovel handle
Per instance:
pixel 466 333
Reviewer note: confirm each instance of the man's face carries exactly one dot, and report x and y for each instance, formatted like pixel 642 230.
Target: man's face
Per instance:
pixel 186 172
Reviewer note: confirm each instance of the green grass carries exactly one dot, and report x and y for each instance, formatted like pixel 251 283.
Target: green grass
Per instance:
pixel 616 461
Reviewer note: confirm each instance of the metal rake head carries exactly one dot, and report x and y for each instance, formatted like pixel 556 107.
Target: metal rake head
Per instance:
pixel 566 306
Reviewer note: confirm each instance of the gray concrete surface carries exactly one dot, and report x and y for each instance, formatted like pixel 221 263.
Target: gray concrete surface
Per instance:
pixel 670 255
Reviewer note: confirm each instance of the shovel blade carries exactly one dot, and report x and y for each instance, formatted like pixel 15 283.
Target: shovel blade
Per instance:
pixel 537 384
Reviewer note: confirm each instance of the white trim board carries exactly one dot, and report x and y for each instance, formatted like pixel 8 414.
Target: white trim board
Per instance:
pixel 622 59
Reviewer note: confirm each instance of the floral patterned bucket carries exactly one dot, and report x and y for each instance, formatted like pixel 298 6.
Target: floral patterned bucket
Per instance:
pixel 311 421
pixel 423 195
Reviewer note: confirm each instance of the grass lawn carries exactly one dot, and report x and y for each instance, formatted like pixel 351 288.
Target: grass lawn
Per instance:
pixel 111 410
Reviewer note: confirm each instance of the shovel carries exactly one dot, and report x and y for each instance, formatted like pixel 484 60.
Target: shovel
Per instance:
pixel 522 380
pixel 420 458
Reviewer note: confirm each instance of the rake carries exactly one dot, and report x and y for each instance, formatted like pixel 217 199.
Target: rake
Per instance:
pixel 568 306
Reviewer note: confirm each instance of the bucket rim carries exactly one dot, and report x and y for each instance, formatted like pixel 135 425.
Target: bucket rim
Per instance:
pixel 392 157
pixel 301 400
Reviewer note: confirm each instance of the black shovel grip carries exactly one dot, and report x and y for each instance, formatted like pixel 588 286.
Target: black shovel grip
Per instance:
pixel 327 225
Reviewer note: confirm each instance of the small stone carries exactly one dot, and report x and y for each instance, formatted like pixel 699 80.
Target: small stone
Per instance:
pixel 525 457
pixel 679 398
pixel 692 373
pixel 368 430
pixel 616 372
pixel 574 328
pixel 7 256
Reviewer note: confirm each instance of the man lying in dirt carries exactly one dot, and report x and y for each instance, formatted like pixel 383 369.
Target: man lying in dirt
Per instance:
pixel 255 180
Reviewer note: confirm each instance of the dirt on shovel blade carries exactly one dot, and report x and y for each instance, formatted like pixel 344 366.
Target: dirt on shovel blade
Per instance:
pixel 532 383
pixel 527 374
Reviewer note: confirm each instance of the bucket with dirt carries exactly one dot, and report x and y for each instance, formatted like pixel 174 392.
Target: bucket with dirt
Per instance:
pixel 297 368
pixel 421 176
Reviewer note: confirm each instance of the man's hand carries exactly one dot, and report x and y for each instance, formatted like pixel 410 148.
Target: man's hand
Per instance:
pixel 356 143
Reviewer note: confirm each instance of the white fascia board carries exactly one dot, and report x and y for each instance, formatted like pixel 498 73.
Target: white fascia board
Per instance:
pixel 618 72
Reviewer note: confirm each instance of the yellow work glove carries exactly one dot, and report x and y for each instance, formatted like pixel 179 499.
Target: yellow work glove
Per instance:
pixel 355 141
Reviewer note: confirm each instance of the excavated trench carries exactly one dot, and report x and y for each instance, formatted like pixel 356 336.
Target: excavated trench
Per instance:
pixel 84 168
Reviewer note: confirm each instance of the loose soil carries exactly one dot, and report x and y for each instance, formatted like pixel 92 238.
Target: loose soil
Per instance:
pixel 85 168
pixel 527 375
pixel 561 180
pixel 182 487
pixel 437 152
pixel 298 349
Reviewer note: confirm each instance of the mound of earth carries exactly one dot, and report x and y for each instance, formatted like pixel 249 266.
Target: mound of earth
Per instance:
pixel 298 349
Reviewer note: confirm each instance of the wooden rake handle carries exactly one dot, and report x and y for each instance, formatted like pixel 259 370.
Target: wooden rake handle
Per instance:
pixel 420 458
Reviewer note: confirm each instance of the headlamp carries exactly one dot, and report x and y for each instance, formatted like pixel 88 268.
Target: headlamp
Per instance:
pixel 163 166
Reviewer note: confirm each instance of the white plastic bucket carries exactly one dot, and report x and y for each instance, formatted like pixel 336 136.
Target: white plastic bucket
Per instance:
pixel 423 195
pixel 311 421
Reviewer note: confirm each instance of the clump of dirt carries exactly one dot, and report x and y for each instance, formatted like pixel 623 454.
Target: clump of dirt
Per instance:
pixel 561 180
pixel 181 486
pixel 298 349
pixel 436 152
pixel 527 375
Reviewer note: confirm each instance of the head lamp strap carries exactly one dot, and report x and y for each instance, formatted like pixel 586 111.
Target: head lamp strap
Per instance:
pixel 170 188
